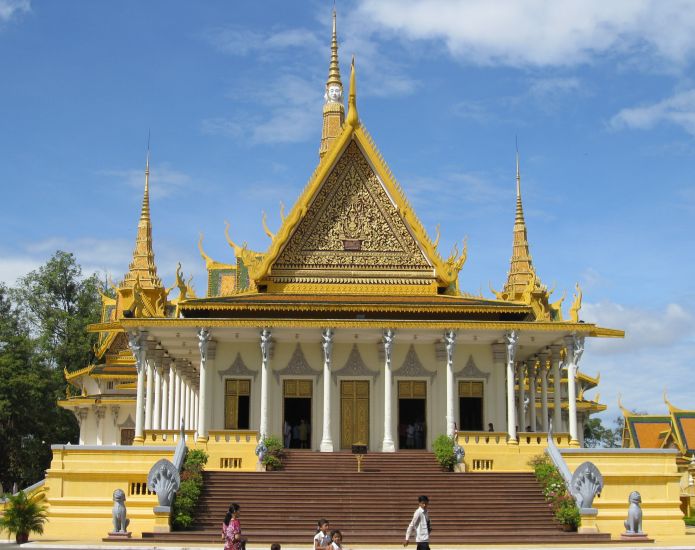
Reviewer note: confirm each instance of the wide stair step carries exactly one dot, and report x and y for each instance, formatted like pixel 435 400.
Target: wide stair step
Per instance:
pixel 376 505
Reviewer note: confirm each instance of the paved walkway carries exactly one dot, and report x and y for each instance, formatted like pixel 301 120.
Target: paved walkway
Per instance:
pixel 686 542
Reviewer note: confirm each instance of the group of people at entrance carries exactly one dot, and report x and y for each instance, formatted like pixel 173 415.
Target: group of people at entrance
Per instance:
pixel 325 538
pixel 411 435
pixel 296 436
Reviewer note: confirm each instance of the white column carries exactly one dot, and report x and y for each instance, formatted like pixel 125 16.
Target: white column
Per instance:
pixel 99 413
pixel 177 398
pixel 532 397
pixel 499 359
pixel 557 388
pixel 450 343
pixel 81 414
pixel 327 344
pixel 388 445
pixel 575 348
pixel 207 353
pixel 511 340
pixel 521 369
pixel 149 401
pixel 164 418
pixel 157 410
pixel 137 343
pixel 543 371
pixel 265 356
pixel 196 407
pixel 171 416
pixel 187 405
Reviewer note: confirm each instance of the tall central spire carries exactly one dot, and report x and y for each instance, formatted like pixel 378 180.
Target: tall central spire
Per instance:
pixel 521 269
pixel 333 108
pixel 143 269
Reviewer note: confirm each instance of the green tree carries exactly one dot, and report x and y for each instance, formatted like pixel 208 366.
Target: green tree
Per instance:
pixel 29 417
pixel 598 435
pixel 58 302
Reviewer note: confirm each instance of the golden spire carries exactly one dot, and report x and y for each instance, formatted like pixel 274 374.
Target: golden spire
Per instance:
pixel 521 269
pixel 142 268
pixel 333 109
pixel 352 118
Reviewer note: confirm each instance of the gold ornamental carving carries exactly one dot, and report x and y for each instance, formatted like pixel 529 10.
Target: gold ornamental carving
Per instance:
pixel 352 224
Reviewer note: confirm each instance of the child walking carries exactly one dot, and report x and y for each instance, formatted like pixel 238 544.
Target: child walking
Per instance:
pixel 322 538
pixel 336 540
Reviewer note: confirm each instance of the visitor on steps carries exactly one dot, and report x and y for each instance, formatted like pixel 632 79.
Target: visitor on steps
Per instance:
pixel 420 524
pixel 233 539
pixel 275 546
pixel 337 540
pixel 322 538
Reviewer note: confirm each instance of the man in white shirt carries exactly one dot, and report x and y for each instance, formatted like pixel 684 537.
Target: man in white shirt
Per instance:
pixel 420 524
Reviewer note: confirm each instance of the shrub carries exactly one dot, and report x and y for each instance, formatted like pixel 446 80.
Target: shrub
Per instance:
pixel 23 516
pixel 183 513
pixel 272 459
pixel 689 521
pixel 443 448
pixel 555 491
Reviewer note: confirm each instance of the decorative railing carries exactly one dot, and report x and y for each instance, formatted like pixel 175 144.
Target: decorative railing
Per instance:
pixel 167 437
pixel 233 436
pixel 537 439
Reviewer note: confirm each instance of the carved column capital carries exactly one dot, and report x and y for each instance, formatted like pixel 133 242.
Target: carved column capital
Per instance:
pixel 204 339
pixel 449 344
pixel 137 342
pixel 387 339
pixel 327 344
pixel 115 410
pixel 266 342
pixel 511 339
pixel 556 352
pixel 81 414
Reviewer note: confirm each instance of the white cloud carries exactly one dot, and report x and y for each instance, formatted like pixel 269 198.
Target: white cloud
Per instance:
pixel 678 109
pixel 164 180
pixel 291 108
pixel 542 32
pixel 239 41
pixel 12 268
pixel 644 328
pixel 10 8
pixel 654 356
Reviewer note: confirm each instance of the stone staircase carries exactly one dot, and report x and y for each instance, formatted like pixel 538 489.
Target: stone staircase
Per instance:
pixel 376 505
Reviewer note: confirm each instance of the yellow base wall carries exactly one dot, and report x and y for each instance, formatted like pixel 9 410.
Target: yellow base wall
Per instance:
pixel 81 480
pixel 653 473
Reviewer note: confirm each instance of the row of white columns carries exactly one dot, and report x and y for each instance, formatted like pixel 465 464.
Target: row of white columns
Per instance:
pixel 574 346
pixel 190 404
pixel 167 396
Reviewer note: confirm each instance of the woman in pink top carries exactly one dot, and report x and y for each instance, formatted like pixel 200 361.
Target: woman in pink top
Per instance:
pixel 232 529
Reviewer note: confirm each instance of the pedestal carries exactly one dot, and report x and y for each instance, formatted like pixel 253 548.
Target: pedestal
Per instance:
pixel 117 536
pixel 460 467
pixel 589 524
pixel 161 519
pixel 635 537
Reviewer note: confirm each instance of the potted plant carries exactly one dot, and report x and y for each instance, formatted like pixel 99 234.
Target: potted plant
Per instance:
pixel 270 452
pixel 444 452
pixel 23 516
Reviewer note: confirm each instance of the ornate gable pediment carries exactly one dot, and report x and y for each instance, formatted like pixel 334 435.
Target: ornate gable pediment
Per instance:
pixel 412 366
pixel 355 366
pixel 471 370
pixel 237 368
pixel 297 366
pixel 352 232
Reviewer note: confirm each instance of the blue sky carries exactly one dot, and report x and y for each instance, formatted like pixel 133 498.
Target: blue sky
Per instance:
pixel 600 95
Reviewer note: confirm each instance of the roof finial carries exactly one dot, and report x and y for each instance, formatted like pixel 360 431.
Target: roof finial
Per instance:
pixel 521 269
pixel 333 109
pixel 145 212
pixel 352 118
pixel 334 67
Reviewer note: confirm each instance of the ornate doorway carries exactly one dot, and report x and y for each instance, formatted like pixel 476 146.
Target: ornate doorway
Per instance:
pixel 297 395
pixel 470 405
pixel 354 413
pixel 237 394
pixel 412 400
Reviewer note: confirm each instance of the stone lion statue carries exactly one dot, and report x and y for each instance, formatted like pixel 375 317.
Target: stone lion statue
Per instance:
pixel 120 521
pixel 633 523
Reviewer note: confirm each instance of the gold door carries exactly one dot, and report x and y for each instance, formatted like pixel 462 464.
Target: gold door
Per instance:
pixel 354 413
pixel 233 390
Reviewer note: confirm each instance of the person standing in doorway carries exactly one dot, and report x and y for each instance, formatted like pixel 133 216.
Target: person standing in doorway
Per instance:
pixel 420 524
pixel 287 433
pixel 303 434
